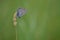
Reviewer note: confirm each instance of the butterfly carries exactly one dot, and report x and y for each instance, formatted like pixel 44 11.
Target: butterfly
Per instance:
pixel 21 12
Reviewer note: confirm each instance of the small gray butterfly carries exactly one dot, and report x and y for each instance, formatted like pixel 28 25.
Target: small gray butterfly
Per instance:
pixel 21 12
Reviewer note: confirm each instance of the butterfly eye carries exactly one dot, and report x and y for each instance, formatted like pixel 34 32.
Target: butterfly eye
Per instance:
pixel 21 12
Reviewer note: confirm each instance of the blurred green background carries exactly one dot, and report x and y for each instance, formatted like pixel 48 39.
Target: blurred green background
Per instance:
pixel 41 22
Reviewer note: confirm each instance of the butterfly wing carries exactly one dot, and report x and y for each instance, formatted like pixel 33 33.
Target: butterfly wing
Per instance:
pixel 21 12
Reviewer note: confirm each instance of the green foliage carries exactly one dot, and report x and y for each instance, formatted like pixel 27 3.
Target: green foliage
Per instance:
pixel 42 21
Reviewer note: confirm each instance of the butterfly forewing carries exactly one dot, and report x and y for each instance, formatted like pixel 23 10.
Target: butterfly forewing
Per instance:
pixel 21 12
